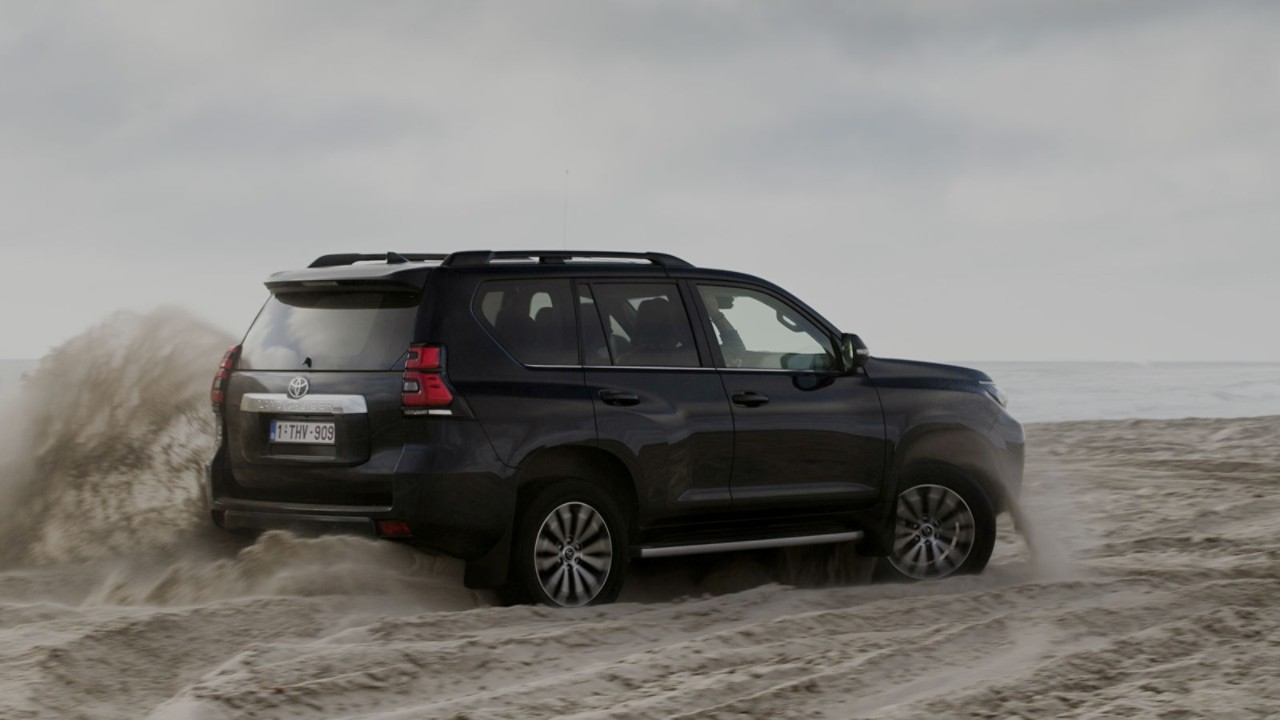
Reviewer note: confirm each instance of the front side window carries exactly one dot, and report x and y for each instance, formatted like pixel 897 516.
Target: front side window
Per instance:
pixel 645 325
pixel 758 331
pixel 532 319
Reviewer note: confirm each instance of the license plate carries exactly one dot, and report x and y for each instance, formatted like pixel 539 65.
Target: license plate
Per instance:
pixel 303 433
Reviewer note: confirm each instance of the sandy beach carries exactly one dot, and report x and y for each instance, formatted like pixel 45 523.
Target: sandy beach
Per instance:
pixel 1142 584
pixel 1149 591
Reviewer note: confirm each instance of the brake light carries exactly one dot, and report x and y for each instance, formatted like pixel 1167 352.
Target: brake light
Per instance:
pixel 424 357
pixel 424 388
pixel 218 391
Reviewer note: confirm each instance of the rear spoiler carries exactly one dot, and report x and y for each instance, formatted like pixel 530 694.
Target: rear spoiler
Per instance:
pixel 390 258
pixel 394 277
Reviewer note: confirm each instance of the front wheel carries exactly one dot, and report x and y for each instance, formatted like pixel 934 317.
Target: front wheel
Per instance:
pixel 945 526
pixel 571 547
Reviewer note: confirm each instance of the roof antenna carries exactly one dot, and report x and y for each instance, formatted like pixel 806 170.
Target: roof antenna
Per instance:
pixel 564 239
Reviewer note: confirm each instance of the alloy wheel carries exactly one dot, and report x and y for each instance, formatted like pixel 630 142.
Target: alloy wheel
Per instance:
pixel 935 532
pixel 573 554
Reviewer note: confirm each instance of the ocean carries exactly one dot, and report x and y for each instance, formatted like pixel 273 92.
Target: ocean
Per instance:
pixel 1057 391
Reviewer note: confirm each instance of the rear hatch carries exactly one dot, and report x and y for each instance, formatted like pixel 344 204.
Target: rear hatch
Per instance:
pixel 313 412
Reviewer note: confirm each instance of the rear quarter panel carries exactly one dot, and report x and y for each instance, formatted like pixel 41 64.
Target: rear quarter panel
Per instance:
pixel 522 410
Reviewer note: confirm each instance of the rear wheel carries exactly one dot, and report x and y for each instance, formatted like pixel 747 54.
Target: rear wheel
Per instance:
pixel 945 526
pixel 570 547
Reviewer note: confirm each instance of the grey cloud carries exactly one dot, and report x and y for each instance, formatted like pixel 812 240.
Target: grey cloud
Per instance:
pixel 1037 164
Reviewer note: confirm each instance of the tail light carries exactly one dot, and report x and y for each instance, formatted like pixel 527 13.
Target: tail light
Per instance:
pixel 424 389
pixel 218 391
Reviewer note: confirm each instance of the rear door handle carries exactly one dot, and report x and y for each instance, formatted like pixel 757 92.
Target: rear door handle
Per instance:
pixel 618 397
pixel 750 399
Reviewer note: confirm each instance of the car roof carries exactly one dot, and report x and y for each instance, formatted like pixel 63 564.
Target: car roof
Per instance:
pixel 412 269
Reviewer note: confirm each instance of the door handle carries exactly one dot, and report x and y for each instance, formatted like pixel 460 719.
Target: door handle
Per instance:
pixel 750 399
pixel 620 398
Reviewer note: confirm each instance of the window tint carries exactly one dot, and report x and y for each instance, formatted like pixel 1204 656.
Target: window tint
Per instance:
pixel 645 324
pixel 325 330
pixel 594 349
pixel 758 331
pixel 532 319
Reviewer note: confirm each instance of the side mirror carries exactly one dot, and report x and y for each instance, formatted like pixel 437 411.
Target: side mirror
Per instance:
pixel 853 352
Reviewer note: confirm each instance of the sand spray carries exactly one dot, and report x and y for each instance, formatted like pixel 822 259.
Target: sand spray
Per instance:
pixel 102 455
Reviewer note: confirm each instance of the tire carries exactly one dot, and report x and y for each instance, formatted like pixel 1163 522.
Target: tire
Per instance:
pixel 945 525
pixel 549 565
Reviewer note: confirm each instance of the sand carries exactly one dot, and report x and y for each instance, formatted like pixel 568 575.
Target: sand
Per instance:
pixel 1150 590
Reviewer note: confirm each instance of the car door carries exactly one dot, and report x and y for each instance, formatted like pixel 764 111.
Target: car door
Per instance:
pixel 660 405
pixel 806 435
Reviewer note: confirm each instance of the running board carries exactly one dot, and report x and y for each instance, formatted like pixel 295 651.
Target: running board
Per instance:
pixel 675 550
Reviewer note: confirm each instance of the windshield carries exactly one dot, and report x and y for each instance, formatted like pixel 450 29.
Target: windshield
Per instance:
pixel 331 330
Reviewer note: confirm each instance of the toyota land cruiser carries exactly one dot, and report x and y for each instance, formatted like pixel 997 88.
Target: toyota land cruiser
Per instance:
pixel 548 416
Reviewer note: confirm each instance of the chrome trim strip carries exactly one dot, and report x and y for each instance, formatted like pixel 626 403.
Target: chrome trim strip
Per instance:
pixel 676 550
pixel 698 368
pixel 309 405
pixel 778 370
pixel 684 369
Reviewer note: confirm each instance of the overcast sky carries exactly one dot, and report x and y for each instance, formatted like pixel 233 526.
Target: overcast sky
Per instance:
pixel 952 180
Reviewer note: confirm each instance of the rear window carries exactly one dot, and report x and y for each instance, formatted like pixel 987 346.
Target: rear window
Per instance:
pixel 331 331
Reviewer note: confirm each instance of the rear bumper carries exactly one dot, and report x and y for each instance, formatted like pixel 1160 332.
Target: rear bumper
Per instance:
pixel 234 513
pixel 457 500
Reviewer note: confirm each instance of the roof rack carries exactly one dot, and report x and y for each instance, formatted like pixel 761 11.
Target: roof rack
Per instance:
pixel 391 258
pixel 480 258
pixel 477 258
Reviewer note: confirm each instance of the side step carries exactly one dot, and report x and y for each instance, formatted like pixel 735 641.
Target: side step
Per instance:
pixel 716 547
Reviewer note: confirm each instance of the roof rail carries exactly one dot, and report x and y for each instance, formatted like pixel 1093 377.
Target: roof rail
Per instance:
pixel 477 258
pixel 391 258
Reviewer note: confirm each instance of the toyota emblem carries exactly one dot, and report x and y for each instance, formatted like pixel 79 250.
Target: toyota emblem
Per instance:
pixel 298 388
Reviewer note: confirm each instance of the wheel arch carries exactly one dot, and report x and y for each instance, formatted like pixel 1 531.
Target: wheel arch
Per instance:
pixel 958 448
pixel 583 462
pixel 541 469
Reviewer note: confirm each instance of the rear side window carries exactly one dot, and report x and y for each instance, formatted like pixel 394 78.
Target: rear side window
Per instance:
pixel 645 324
pixel 532 319
pixel 328 330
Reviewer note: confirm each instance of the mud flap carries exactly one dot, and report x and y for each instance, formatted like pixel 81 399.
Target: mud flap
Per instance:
pixel 490 571
pixel 876 522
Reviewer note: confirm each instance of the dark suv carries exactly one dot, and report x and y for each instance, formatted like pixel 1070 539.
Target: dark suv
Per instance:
pixel 547 416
